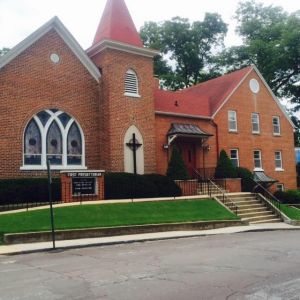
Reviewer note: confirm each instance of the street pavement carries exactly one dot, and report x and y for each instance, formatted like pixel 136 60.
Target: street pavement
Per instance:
pixel 249 265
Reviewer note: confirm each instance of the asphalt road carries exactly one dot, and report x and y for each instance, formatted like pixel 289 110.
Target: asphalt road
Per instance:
pixel 264 265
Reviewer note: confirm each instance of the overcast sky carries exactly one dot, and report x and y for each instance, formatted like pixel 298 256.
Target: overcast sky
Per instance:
pixel 19 18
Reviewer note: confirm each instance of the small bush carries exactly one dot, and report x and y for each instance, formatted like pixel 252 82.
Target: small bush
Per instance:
pixel 127 186
pixel 176 168
pixel 225 168
pixel 247 179
pixel 166 187
pixel 288 197
pixel 28 190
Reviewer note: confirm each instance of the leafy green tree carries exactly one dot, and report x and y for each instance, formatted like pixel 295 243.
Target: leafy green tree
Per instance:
pixel 176 168
pixel 4 51
pixel 271 41
pixel 225 168
pixel 187 48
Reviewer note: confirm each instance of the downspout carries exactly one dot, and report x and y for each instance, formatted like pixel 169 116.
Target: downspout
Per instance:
pixel 217 137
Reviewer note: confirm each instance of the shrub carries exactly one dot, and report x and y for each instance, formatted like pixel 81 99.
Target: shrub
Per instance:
pixel 127 186
pixel 166 187
pixel 28 190
pixel 176 168
pixel 225 168
pixel 247 179
pixel 288 197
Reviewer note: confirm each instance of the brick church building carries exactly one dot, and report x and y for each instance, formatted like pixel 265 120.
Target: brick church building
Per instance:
pixel 89 109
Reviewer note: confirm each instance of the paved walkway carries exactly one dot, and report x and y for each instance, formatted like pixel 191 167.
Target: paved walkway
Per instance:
pixel 45 246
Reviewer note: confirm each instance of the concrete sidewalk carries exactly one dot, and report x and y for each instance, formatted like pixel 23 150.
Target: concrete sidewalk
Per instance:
pixel 67 244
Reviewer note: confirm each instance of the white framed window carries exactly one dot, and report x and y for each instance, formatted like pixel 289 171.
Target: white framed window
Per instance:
pixel 276 125
pixel 56 136
pixel 257 160
pixel 131 84
pixel 234 156
pixel 255 123
pixel 278 161
pixel 280 187
pixel 232 121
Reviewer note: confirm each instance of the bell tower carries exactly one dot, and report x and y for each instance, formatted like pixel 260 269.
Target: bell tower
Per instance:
pixel 127 92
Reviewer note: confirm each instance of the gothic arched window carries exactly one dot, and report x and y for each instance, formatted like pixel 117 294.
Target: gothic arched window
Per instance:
pixel 56 136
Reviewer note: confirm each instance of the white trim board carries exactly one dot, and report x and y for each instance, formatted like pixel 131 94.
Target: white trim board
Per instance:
pixel 67 37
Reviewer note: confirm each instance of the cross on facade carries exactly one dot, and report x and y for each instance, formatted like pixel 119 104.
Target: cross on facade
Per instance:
pixel 134 145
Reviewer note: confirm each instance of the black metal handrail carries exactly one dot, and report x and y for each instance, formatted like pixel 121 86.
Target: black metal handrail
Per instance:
pixel 224 199
pixel 268 195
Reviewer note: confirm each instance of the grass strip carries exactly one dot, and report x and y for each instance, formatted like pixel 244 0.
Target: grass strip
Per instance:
pixel 112 215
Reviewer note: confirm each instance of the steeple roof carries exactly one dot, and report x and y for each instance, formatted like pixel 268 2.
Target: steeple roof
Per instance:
pixel 117 25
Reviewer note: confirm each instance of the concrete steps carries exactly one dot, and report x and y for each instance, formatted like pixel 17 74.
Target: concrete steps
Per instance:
pixel 252 210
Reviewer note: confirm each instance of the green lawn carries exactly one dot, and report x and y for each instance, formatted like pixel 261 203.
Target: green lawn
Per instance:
pixel 118 214
pixel 292 212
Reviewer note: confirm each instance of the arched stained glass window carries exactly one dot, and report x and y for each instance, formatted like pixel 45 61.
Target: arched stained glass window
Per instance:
pixel 32 144
pixel 56 136
pixel 54 144
pixel 74 145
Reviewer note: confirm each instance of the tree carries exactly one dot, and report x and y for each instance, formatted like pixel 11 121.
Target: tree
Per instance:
pixel 186 48
pixel 176 168
pixel 271 39
pixel 225 168
pixel 3 51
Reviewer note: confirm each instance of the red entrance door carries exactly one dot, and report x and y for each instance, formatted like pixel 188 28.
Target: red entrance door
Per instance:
pixel 188 153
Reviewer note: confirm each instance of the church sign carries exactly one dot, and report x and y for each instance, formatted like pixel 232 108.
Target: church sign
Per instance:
pixel 87 185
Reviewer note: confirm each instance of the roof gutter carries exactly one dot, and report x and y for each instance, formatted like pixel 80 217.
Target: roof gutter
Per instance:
pixel 170 114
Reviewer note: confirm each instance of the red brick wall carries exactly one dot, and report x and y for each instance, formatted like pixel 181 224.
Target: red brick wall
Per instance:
pixel 245 103
pixel 119 112
pixel 162 126
pixel 31 83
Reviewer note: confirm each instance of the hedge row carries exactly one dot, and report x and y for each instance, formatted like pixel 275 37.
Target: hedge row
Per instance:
pixel 28 190
pixel 127 186
pixel 288 197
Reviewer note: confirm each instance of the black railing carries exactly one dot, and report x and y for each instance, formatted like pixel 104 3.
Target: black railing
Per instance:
pixel 206 173
pixel 24 205
pixel 273 201
pixel 224 199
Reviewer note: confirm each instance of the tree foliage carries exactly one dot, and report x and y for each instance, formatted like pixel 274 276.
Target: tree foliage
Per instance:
pixel 177 168
pixel 271 41
pixel 3 51
pixel 187 48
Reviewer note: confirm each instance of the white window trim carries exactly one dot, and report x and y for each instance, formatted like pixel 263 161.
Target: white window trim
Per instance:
pixel 279 126
pixel 235 120
pixel 129 94
pixel 237 156
pixel 64 133
pixel 260 158
pixel 280 184
pixel 279 169
pixel 258 123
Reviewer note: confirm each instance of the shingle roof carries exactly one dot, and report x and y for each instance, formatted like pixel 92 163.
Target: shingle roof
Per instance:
pixel 203 99
pixel 116 24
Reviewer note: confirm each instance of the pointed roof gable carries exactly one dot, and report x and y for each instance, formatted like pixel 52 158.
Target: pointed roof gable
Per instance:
pixel 117 25
pixel 67 37
pixel 205 99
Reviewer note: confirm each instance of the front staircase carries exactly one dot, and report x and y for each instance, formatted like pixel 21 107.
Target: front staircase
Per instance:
pixel 252 210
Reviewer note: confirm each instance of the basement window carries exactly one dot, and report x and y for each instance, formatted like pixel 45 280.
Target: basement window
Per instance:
pixel 131 84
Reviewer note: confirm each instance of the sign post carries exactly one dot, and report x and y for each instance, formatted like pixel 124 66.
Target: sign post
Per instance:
pixel 50 202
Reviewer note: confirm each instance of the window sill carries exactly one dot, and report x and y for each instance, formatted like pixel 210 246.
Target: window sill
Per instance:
pixel 255 133
pixel 233 131
pixel 132 95
pixel 258 170
pixel 279 170
pixel 277 134
pixel 53 167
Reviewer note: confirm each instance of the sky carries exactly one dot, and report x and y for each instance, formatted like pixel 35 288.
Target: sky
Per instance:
pixel 19 18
